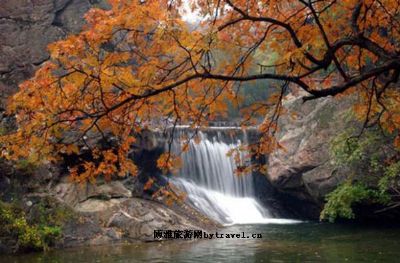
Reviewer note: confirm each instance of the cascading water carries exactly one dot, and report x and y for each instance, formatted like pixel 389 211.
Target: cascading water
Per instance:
pixel 208 178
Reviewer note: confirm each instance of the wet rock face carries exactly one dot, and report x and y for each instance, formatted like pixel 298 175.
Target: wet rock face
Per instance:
pixel 27 27
pixel 304 171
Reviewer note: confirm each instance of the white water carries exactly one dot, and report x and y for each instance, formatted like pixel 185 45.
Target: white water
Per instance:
pixel 208 178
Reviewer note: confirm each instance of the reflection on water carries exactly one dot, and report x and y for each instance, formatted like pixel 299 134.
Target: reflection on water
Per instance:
pixel 280 243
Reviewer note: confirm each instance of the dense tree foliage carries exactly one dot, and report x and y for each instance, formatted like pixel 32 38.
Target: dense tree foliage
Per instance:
pixel 139 65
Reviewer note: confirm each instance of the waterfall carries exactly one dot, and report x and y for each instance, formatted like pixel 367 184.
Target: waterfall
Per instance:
pixel 208 165
pixel 208 178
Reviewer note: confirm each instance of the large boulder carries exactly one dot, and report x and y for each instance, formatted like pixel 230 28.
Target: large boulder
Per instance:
pixel 110 214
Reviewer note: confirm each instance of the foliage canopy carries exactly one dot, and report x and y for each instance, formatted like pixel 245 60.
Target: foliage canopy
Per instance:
pixel 139 65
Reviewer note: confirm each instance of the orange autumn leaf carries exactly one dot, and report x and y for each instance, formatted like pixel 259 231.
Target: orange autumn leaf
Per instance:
pixel 148 184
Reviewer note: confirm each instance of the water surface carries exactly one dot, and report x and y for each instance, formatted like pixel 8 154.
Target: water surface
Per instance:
pixel 306 242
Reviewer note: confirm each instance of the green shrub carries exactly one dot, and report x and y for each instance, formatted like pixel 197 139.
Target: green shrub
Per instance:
pixel 50 234
pixel 340 202
pixel 28 236
pixel 370 155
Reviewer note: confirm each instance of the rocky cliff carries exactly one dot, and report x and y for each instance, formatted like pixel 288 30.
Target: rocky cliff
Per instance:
pixel 305 171
pixel 27 27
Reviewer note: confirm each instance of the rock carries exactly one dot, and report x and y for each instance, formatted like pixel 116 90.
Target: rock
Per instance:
pixel 138 218
pixel 4 183
pixel 125 219
pixel 83 231
pixel 73 194
pixel 303 172
pixel 113 215
pixel 96 205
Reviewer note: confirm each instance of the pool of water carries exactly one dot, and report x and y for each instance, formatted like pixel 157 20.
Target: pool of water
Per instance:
pixel 305 242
